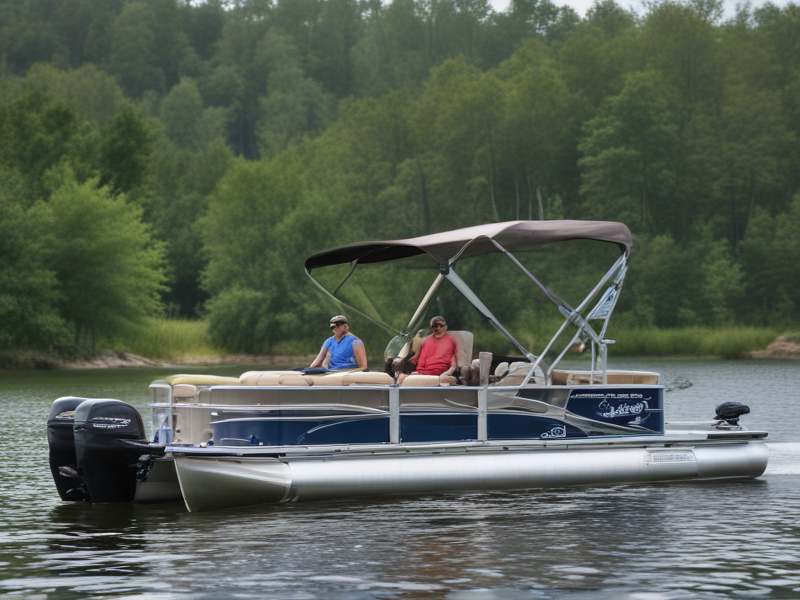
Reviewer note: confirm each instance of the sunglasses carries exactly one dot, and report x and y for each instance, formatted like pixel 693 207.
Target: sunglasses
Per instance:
pixel 335 325
pixel 438 325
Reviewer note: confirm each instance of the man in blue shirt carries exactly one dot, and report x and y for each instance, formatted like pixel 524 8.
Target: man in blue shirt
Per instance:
pixel 346 350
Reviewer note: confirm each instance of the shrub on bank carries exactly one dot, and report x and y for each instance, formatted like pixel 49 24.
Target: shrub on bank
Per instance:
pixel 730 343
pixel 169 339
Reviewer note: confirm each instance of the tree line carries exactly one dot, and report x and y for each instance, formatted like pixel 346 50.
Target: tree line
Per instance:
pixel 162 156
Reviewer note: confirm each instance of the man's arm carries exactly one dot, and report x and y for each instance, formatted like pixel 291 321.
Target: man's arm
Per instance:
pixel 360 354
pixel 453 365
pixel 320 357
pixel 421 358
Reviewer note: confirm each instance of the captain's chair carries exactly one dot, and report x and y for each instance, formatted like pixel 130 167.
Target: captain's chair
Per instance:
pixel 464 341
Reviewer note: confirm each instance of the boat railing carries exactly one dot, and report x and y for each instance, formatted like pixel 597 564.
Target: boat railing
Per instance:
pixel 584 330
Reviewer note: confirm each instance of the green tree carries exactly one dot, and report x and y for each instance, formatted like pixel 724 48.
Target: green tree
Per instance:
pixel 88 92
pixel 245 273
pixel 723 284
pixel 35 135
pixel 769 256
pixel 664 277
pixel 178 186
pixel 109 268
pixel 134 51
pixel 630 150
pixel 391 54
pixel 188 124
pixel 29 317
pixel 537 130
pixel 295 107
pixel 124 151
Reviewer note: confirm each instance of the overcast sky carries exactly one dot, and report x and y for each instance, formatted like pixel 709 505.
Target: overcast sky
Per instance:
pixel 582 5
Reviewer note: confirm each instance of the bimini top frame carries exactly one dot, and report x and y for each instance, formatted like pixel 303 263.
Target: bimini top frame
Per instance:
pixel 446 248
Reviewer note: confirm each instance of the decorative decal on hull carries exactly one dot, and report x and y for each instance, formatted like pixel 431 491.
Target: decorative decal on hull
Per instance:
pixel 555 432
pixel 623 409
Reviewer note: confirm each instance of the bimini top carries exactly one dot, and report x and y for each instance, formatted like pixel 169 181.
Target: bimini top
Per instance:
pixel 511 235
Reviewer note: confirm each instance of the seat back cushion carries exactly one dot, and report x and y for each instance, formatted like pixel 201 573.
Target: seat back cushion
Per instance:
pixel 464 340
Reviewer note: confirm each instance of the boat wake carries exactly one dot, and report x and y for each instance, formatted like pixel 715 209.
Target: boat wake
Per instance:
pixel 784 459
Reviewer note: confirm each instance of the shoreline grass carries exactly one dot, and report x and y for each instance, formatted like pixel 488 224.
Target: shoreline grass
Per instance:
pixel 163 339
pixel 170 339
pixel 692 342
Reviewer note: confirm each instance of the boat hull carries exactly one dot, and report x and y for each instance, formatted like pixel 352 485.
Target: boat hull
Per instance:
pixel 223 482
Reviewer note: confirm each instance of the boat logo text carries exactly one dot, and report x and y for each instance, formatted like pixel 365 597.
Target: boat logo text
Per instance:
pixel 110 422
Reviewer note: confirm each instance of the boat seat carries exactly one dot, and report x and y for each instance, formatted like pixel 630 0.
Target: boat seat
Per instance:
pixel 184 390
pixel 330 379
pixel 421 381
pixel 464 341
pixel 411 347
pixel 264 377
pixel 517 372
pixel 353 378
pixel 367 378
pixel 174 380
pixel 613 377
pixel 295 379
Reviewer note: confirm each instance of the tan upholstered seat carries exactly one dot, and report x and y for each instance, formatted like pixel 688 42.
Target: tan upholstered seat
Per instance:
pixel 517 372
pixel 331 379
pixel 421 381
pixel 263 377
pixel 184 390
pixel 464 341
pixel 367 378
pixel 463 357
pixel 201 380
pixel 295 379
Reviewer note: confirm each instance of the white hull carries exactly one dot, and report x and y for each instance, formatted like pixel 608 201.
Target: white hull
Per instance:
pixel 214 483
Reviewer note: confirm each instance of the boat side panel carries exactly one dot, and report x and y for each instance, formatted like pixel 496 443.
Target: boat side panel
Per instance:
pixel 282 431
pixel 606 410
pixel 415 427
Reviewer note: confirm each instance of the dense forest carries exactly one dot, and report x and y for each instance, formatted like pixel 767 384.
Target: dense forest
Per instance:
pixel 183 158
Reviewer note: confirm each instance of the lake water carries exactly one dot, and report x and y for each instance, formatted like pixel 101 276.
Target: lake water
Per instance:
pixel 646 542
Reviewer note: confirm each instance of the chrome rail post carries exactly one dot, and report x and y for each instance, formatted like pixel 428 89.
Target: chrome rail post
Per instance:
pixel 394 414
pixel 485 361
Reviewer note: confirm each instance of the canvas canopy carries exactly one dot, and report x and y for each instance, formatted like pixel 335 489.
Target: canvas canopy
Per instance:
pixel 511 236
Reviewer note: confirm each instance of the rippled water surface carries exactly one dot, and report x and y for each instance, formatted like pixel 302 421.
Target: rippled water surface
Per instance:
pixel 686 540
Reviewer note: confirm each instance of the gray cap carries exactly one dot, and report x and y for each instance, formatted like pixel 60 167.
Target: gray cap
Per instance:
pixel 338 320
pixel 438 319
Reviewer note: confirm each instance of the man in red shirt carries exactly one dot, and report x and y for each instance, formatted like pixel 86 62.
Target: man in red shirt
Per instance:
pixel 437 354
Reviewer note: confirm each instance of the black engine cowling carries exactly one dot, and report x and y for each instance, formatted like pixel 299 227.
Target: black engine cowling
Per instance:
pixel 60 439
pixel 107 461
pixel 730 412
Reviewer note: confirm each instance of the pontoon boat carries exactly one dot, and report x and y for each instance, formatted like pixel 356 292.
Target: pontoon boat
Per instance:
pixel 521 422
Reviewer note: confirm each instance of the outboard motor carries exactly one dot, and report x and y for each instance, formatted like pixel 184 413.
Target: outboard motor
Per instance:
pixel 60 439
pixel 109 441
pixel 731 411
